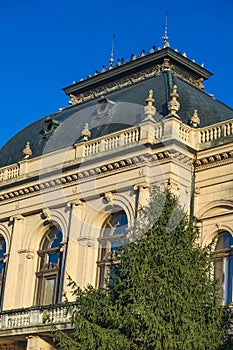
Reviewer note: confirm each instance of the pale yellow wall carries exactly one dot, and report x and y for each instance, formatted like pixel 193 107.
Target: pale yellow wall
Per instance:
pixel 80 206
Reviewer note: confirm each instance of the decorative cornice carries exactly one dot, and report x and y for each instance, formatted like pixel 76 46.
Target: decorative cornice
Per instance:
pixel 131 79
pixel 214 160
pixel 101 171
pixel 86 175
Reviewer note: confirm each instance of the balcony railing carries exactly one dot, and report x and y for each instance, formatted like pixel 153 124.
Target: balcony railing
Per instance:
pixel 34 316
pixel 198 138
pixel 216 132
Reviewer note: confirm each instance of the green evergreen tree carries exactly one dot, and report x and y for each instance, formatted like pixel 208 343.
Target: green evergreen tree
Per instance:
pixel 160 297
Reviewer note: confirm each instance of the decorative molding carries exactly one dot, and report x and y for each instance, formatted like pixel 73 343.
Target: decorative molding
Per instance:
pixel 143 185
pixel 109 196
pixel 214 160
pixel 46 215
pixel 132 79
pixel 82 176
pixel 29 253
pixel 75 203
pixel 90 242
pixel 16 218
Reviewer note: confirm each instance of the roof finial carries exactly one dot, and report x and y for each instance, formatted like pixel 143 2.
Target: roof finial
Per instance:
pixel 149 109
pixel 111 60
pixel 165 37
pixel 27 152
pixel 86 133
pixel 173 104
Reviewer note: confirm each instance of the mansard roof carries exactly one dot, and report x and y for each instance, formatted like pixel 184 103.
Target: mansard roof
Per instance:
pixel 114 100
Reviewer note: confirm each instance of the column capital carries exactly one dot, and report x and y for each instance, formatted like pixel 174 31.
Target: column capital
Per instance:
pixel 75 203
pixel 16 218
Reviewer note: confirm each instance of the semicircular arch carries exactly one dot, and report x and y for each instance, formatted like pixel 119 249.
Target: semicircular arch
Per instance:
pixel 120 202
pixel 215 208
pixel 5 232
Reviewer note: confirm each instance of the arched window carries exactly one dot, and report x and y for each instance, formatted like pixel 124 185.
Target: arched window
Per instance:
pixel 223 265
pixel 2 261
pixel 50 258
pixel 110 242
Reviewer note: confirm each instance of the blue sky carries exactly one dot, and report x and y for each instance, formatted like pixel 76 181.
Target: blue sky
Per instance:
pixel 48 44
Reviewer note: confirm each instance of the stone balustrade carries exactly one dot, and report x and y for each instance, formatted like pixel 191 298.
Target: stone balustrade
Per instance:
pixel 215 132
pixel 34 316
pixel 116 140
pixel 171 128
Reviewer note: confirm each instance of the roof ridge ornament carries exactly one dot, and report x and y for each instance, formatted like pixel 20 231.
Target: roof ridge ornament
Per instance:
pixel 111 60
pixel 150 110
pixel 173 104
pixel 165 36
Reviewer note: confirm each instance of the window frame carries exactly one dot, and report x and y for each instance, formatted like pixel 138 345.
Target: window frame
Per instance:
pixel 3 262
pixel 224 281
pixel 111 256
pixel 48 270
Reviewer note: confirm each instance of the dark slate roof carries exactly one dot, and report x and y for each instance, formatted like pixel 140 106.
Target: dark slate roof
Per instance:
pixel 126 109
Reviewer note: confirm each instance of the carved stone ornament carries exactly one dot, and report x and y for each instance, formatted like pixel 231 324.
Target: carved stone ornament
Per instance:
pixel 86 133
pixel 104 107
pixel 131 79
pixel 149 109
pixel 46 215
pixel 109 196
pixel 165 66
pixel 75 203
pixel 27 152
pixel 173 104
pixel 73 100
pixel 195 120
pixel 50 125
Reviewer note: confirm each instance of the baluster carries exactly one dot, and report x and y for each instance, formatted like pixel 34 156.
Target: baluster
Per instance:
pixel 223 130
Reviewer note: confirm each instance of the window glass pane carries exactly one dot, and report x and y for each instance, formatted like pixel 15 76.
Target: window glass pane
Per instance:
pixel 116 224
pixel 49 289
pixel 101 275
pixel 116 245
pixel 229 280
pixel 49 263
pixel 2 252
pixel 120 223
pixel 225 240
pixel 56 240
pixel 223 266
pixel 219 274
pixel 52 239
pixel 53 258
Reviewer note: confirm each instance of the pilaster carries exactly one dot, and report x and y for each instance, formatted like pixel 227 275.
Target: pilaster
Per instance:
pixel 37 343
pixel 11 297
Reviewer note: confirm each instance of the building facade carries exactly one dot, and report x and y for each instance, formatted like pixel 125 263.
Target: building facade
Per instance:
pixel 71 184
